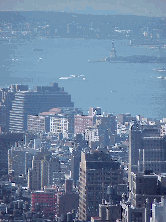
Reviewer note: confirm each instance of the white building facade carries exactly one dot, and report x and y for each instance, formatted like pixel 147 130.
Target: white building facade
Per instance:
pixel 59 124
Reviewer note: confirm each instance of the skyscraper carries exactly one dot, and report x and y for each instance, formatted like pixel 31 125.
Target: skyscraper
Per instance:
pixel 43 168
pixel 7 95
pixel 97 172
pixel 6 141
pixel 75 164
pixel 134 147
pixel 144 186
pixel 33 102
pixel 16 161
pixel 147 150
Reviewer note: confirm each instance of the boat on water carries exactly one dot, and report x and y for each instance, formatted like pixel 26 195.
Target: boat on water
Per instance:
pixel 161 77
pixel 38 49
pixel 74 76
pixel 64 77
pixel 160 70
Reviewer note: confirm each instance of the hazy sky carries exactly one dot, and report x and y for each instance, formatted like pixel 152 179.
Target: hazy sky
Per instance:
pixel 137 7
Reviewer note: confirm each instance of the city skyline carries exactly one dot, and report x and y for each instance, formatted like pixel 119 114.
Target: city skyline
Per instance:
pixel 142 8
pixel 58 163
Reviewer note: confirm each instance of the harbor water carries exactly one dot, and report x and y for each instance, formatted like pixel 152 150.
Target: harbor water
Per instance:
pixel 115 87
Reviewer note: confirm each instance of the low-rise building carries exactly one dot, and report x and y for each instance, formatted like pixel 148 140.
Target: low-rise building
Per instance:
pixel 38 123
pixel 44 201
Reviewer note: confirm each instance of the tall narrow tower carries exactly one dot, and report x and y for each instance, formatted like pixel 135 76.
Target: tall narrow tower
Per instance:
pixel 134 147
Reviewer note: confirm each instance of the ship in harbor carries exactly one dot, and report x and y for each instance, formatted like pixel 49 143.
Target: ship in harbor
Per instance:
pixel 160 70
pixel 161 58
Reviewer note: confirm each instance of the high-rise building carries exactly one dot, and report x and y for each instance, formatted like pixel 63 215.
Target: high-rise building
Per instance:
pixel 158 210
pixel 7 95
pixel 147 150
pixel 36 101
pixel 144 189
pixel 75 164
pixel 144 186
pixel 16 161
pixel 43 168
pixel 34 174
pixel 67 201
pixel 130 213
pixel 6 141
pixel 152 155
pixel 3 118
pixel 97 172
pixel 134 147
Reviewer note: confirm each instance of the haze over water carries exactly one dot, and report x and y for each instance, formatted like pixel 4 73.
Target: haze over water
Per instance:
pixel 116 87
